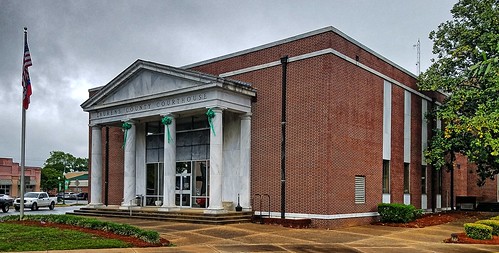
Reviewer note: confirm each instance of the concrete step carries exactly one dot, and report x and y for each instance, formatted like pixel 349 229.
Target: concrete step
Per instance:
pixel 188 217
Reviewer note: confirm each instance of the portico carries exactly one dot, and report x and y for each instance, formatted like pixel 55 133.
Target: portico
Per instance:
pixel 187 138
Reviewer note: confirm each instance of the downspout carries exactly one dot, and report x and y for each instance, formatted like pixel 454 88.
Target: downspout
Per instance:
pixel 284 62
pixel 451 166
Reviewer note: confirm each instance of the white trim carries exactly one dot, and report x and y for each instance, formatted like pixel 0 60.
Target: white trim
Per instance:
pixel 407 198
pixel 319 53
pixel 424 201
pixel 386 198
pixel 320 216
pixel 387 120
pixel 407 126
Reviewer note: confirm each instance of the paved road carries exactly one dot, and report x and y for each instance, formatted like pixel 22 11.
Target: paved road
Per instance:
pixel 44 210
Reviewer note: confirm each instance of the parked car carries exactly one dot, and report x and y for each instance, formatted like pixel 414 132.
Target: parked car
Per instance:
pixel 34 200
pixel 6 202
pixel 82 196
pixel 70 195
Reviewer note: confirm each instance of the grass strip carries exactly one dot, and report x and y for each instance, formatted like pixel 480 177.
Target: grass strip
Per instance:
pixel 16 237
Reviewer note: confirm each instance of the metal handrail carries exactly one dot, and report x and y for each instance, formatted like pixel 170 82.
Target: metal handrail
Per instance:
pixel 260 198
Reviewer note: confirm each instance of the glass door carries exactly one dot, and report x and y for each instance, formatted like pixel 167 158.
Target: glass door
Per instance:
pixel 201 177
pixel 154 184
pixel 183 184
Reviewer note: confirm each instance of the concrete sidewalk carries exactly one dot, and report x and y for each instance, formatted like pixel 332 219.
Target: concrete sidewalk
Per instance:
pixel 249 237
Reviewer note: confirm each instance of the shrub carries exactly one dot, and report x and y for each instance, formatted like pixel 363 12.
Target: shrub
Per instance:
pixel 395 212
pixel 494 224
pixel 478 231
pixel 148 236
pixel 494 218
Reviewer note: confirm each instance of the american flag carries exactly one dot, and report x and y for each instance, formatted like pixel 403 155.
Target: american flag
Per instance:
pixel 26 81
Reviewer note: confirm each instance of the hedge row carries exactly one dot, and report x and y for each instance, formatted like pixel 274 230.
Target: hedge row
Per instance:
pixel 119 229
pixel 482 229
pixel 399 213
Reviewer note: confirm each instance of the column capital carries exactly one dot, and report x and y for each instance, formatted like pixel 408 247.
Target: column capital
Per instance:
pixel 216 109
pixel 169 114
pixel 246 115
pixel 130 121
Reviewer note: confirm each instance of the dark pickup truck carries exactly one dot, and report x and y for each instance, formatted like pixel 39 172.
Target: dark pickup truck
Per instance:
pixel 6 202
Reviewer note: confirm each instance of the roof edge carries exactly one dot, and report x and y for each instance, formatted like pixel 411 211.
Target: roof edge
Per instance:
pixel 297 37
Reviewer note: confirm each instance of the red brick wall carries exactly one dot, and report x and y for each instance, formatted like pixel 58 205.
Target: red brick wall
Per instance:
pixel 322 91
pixel 397 154
pixel 485 193
pixel 355 148
pixel 415 167
pixel 116 163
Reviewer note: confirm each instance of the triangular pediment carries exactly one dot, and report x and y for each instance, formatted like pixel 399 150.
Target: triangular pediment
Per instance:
pixel 146 80
pixel 145 83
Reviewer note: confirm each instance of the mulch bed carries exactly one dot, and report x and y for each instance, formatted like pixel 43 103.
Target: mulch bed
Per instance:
pixel 135 242
pixel 462 238
pixel 433 219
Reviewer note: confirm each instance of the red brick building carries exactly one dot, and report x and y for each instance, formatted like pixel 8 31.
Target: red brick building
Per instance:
pixel 355 134
pixel 10 177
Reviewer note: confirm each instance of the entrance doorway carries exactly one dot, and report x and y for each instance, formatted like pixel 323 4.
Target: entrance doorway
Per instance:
pixel 192 184
pixel 154 184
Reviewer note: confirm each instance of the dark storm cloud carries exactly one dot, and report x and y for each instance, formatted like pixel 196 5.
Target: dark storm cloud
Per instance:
pixel 77 45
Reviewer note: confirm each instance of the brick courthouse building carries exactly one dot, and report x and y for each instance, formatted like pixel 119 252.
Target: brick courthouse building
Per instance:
pixel 355 134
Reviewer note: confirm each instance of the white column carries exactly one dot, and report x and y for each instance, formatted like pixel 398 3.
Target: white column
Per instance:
pixel 245 162
pixel 170 152
pixel 216 164
pixel 96 167
pixel 129 170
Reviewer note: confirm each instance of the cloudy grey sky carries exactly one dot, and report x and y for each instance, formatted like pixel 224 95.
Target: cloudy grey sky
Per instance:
pixel 77 45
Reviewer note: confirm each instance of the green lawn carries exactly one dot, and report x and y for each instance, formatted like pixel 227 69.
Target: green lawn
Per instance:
pixel 15 237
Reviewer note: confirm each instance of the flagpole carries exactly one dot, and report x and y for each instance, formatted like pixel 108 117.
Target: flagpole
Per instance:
pixel 23 137
pixel 23 159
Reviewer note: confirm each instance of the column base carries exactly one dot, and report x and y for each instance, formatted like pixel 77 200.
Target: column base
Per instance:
pixel 215 211
pixel 95 205
pixel 127 205
pixel 168 208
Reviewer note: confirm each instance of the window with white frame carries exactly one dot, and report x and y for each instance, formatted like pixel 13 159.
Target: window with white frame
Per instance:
pixel 386 176
pixel 407 178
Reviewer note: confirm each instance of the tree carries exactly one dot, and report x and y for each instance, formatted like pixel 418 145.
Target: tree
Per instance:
pixel 467 71
pixel 56 165
pixel 49 179
pixel 66 162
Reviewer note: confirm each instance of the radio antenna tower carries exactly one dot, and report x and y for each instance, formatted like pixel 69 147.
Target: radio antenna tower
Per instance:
pixel 418 63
